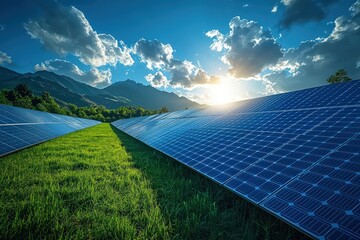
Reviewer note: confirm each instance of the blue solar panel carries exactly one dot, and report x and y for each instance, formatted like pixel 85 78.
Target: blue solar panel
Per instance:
pixel 296 155
pixel 20 128
pixel 328 193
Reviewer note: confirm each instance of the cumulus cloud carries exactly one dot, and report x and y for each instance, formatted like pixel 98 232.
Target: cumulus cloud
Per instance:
pixel 94 77
pixel 303 11
pixel 65 30
pixel 248 48
pixel 2 27
pixel 157 80
pixel 183 73
pixel 4 58
pixel 187 75
pixel 154 53
pixel 314 61
pixel 115 53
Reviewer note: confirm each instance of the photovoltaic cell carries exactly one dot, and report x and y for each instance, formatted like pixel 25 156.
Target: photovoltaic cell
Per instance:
pixel 330 193
pixel 296 155
pixel 20 128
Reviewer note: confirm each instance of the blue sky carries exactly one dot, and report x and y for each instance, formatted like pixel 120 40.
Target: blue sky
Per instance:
pixel 211 51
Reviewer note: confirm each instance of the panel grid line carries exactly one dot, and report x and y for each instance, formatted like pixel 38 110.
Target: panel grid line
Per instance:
pixel 21 128
pixel 296 155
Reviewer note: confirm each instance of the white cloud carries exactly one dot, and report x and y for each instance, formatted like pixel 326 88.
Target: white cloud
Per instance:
pixel 286 65
pixel 245 5
pixel 2 27
pixel 286 2
pixel 342 27
pixel 317 58
pixel 183 73
pixel 248 48
pixel 114 53
pixel 355 8
pixel 314 61
pixel 218 44
pixel 65 30
pixel 154 53
pixel 157 80
pixel 94 77
pixel 4 58
pixel 274 9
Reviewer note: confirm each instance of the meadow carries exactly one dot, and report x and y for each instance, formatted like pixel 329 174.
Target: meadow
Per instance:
pixel 99 183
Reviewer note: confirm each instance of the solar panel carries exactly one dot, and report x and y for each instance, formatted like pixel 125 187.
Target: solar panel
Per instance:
pixel 20 128
pixel 295 155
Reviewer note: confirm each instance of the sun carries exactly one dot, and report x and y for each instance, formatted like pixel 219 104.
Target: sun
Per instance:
pixel 222 93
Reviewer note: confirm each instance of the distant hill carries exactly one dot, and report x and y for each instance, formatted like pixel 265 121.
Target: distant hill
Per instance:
pixel 67 90
pixel 6 74
pixel 149 97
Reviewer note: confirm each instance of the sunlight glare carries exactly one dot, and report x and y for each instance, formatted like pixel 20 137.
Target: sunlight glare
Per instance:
pixel 222 93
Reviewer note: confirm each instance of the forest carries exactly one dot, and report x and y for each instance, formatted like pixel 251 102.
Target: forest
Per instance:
pixel 21 96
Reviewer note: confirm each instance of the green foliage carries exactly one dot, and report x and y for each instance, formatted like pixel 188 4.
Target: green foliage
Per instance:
pixel 3 98
pixel 163 110
pixel 99 183
pixel 21 96
pixel 23 91
pixel 339 76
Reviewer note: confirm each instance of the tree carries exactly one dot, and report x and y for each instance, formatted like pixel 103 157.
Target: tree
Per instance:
pixel 50 104
pixel 139 111
pixel 339 76
pixel 163 110
pixel 22 96
pixel 3 98
pixel 23 90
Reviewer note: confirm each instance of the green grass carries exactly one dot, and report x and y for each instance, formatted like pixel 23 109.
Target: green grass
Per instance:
pixel 99 183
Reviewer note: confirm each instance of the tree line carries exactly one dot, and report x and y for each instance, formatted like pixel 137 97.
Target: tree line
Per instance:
pixel 21 96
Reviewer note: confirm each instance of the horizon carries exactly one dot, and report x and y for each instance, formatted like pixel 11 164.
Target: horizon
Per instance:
pixel 190 49
pixel 223 104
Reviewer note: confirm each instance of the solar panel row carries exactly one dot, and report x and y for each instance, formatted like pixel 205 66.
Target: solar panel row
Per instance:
pixel 20 128
pixel 296 155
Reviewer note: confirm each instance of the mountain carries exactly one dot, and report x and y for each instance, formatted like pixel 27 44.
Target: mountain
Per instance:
pixel 91 94
pixel 6 74
pixel 149 97
pixel 66 90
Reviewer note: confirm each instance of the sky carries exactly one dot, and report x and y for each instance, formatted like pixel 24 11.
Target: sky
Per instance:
pixel 211 51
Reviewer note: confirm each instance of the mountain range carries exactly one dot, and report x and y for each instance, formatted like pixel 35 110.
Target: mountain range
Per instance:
pixel 66 90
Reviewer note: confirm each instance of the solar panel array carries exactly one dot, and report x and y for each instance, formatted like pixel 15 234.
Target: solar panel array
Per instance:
pixel 296 155
pixel 20 128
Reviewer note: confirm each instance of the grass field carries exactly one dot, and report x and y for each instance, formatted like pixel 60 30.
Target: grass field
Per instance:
pixel 100 183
